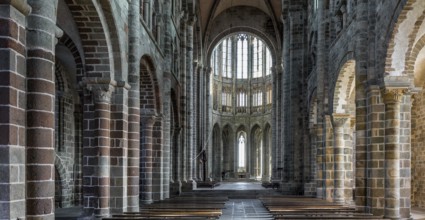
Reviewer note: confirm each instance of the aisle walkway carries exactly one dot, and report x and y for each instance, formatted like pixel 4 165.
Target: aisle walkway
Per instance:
pixel 239 209
pixel 237 186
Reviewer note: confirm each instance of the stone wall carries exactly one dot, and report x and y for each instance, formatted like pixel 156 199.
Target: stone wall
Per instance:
pixel 418 151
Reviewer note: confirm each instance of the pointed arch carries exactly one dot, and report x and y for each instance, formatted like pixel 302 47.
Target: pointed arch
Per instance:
pixel 228 148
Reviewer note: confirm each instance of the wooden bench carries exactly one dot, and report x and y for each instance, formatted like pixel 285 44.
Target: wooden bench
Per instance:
pixel 310 208
pixel 190 207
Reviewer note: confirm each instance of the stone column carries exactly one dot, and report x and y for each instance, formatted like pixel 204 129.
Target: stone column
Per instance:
pixel 338 123
pixel 12 107
pixel 157 158
pixel 189 99
pixel 40 118
pixel 183 105
pixel 146 169
pixel 207 129
pixel 96 170
pixel 119 148
pixel 320 162
pixel 166 167
pixel 276 125
pixel 392 99
pixel 133 160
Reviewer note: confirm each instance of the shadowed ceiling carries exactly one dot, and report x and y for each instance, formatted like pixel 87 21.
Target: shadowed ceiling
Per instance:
pixel 209 9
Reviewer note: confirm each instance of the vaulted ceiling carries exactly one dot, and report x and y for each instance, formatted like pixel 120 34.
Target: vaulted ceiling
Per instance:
pixel 220 17
pixel 210 9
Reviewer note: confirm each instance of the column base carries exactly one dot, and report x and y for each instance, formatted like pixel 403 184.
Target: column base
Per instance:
pixel 291 188
pixel 175 188
pixel 310 189
pixel 146 202
pixel 189 185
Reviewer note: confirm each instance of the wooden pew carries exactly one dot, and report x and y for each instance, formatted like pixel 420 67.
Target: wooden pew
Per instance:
pixel 191 207
pixel 310 208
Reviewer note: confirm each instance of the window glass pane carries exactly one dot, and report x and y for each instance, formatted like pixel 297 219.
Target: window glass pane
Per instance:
pixel 241 151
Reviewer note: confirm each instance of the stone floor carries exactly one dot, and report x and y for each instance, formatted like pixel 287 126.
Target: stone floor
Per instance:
pixel 239 209
pixel 237 186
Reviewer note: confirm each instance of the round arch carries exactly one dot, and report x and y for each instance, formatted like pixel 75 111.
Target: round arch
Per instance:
pixel 344 88
pixel 149 87
pixel 256 151
pixel 251 31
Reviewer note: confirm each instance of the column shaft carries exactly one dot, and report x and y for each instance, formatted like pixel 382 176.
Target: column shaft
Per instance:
pixel 146 168
pixel 13 107
pixel 40 118
pixel 392 98
pixel 338 122
pixel 96 170
pixel 133 160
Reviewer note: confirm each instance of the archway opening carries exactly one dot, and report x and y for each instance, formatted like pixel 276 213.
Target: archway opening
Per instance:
pixel 241 86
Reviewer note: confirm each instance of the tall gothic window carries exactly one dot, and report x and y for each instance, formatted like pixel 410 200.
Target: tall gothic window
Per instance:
pixel 257 68
pixel 214 62
pixel 226 98
pixel 242 56
pixel 257 99
pixel 242 102
pixel 269 62
pixel 227 58
pixel 269 95
pixel 235 59
pixel 241 149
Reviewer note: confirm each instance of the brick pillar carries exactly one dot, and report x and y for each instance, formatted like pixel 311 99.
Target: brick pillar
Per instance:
pixel 370 156
pixel 96 158
pixel 41 41
pixel 392 98
pixel 189 100
pixel 183 144
pixel 320 162
pixel 119 146
pixel 208 122
pixel 146 132
pixel 338 122
pixel 157 158
pixel 133 160
pixel 12 108
pixel 328 160
pixel 276 123
pixel 166 168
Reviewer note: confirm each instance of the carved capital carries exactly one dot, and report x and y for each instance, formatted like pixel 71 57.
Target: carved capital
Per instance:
pixel 102 93
pixel 147 120
pixel 22 6
pixel 338 120
pixel 393 95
